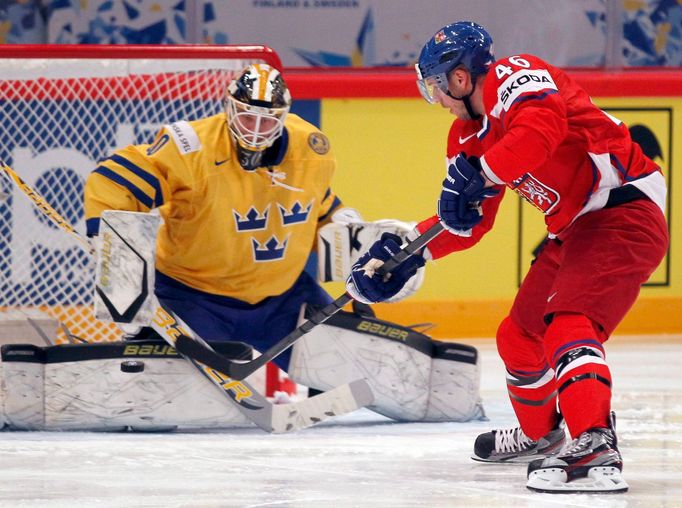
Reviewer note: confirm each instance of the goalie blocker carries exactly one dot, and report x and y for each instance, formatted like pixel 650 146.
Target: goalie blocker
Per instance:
pixel 341 243
pixel 412 377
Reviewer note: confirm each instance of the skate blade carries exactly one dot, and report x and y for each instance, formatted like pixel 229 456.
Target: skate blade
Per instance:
pixel 553 480
pixel 515 460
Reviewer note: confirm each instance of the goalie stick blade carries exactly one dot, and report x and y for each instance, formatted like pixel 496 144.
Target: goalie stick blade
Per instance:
pixel 335 402
pixel 280 418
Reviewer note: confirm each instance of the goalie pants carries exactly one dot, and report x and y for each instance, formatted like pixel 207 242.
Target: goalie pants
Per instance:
pixel 220 318
pixel 576 292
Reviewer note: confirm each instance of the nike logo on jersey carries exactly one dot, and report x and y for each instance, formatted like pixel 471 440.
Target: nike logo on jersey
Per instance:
pixel 220 163
pixel 464 140
pixel 551 296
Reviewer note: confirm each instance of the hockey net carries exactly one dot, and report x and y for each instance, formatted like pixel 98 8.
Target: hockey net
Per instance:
pixel 63 109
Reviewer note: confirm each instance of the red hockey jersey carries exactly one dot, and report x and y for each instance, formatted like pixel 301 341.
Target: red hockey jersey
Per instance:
pixel 542 137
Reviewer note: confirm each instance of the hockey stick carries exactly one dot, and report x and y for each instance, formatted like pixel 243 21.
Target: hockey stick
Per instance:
pixel 270 417
pixel 267 416
pixel 240 370
pixel 53 215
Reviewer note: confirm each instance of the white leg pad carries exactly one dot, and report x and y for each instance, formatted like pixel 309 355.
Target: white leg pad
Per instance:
pixel 70 388
pixel 23 394
pixel 455 376
pixel 412 380
pixel 398 375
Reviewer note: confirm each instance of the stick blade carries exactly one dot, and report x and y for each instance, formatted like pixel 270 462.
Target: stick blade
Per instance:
pixel 288 417
pixel 338 401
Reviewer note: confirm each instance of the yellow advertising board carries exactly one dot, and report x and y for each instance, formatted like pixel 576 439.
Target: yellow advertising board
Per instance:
pixel 391 155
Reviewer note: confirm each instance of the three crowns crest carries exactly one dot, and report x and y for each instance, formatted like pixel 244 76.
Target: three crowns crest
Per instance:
pixel 254 220
pixel 272 250
pixel 296 215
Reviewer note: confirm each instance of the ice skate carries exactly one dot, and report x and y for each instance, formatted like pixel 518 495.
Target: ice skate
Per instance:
pixel 512 445
pixel 591 463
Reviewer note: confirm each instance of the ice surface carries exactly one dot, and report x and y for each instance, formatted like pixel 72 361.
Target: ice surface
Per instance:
pixel 360 460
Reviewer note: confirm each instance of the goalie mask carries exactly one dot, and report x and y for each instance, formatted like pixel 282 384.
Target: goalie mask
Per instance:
pixel 256 103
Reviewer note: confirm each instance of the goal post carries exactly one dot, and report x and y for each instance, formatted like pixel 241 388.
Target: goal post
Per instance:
pixel 64 108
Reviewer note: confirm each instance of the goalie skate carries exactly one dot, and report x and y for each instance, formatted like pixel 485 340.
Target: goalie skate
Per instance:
pixel 512 445
pixel 591 463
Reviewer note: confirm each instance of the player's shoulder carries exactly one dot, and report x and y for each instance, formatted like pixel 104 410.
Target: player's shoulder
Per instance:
pixel 522 60
pixel 509 69
pixel 189 136
pixel 305 139
pixel 517 78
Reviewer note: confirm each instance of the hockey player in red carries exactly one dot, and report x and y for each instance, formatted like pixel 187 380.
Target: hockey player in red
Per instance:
pixel 525 125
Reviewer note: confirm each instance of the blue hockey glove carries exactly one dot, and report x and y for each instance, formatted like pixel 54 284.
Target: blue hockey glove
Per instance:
pixel 367 286
pixel 463 190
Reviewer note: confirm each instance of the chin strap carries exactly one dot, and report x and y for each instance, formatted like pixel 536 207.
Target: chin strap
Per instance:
pixel 470 110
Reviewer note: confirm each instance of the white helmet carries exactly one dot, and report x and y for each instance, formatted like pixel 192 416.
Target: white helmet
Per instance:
pixel 256 103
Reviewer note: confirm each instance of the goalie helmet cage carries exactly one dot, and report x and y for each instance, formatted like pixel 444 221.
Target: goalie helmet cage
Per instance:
pixel 64 108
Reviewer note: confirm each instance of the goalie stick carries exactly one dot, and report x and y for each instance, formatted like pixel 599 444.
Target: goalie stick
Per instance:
pixel 241 370
pixel 269 417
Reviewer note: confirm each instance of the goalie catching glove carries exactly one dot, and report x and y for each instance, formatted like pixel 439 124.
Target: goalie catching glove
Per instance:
pixel 365 285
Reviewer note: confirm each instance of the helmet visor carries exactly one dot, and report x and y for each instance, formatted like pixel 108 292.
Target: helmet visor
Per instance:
pixel 431 87
pixel 255 127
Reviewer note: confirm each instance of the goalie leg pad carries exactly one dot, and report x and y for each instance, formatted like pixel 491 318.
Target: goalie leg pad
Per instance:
pixel 103 387
pixel 413 378
pixel 455 376
pixel 22 387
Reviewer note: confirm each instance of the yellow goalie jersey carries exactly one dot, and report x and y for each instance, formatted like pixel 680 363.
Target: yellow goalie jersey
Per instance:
pixel 226 231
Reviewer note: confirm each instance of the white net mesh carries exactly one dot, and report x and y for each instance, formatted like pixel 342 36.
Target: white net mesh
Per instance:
pixel 59 118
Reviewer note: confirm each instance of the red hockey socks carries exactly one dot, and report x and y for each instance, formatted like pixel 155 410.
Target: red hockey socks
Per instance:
pixel 574 350
pixel 530 380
